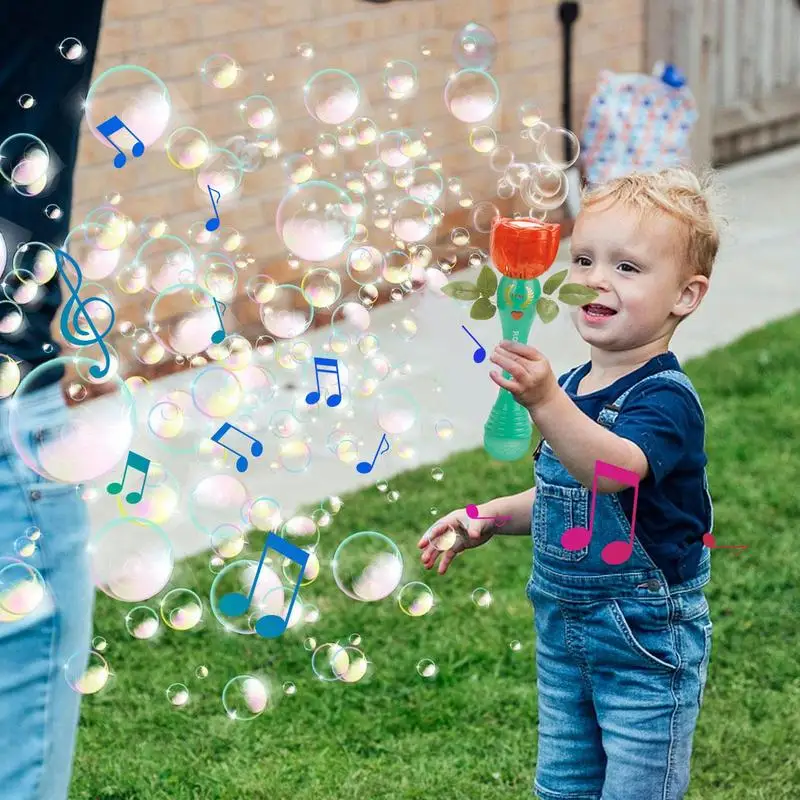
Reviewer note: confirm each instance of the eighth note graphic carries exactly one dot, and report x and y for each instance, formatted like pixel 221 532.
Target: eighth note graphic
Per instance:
pixel 234 604
pixel 472 513
pixel 365 467
pixel 256 448
pixel 218 337
pixel 328 366
pixel 140 464
pixel 113 125
pixel 578 538
pixel 480 354
pixel 213 223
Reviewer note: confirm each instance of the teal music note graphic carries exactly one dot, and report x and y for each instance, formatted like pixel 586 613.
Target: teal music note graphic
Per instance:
pixel 113 125
pixel 234 604
pixel 85 333
pixel 140 464
pixel 256 448
pixel 219 336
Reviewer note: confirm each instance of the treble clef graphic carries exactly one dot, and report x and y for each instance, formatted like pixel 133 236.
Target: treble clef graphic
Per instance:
pixel 76 309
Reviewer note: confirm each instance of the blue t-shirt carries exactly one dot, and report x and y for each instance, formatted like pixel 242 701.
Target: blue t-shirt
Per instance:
pixel 664 419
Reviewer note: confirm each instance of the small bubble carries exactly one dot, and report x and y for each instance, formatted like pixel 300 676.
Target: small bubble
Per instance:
pixel 33 533
pixel 310 643
pixel 437 473
pixel 444 429
pixel 48 348
pixel 289 689
pixel 71 49
pixel 381 486
pixel 427 668
pixel 482 597
pixel 393 496
pixel 99 644
pixel 53 211
pixel 515 645
pixel 355 639
pixel 201 671
pixel 177 694
pixel 305 50
pixel 25 547
pixel 26 101
pixel 434 511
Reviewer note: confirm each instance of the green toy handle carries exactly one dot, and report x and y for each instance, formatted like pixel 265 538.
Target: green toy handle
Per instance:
pixel 507 432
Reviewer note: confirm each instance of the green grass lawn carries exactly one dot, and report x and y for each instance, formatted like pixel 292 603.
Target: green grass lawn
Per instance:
pixel 471 731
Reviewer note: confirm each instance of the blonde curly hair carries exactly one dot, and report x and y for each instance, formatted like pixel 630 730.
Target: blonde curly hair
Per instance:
pixel 679 192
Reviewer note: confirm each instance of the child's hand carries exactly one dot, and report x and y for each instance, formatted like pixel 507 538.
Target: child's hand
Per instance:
pixel 468 533
pixel 532 380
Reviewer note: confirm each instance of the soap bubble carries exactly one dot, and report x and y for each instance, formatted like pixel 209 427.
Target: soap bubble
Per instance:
pixel 552 147
pixel 220 71
pixel 222 170
pixel 331 96
pixel 426 185
pixel 288 314
pixel 26 101
pixel 393 149
pixel 215 500
pixel 177 694
pixel 482 597
pixel 312 221
pixel 334 662
pixel 86 673
pixel 181 609
pixel 397 411
pixel 367 566
pixel 245 697
pixel 137 97
pixel 322 287
pixel 216 392
pixel 546 187
pixel 415 599
pixel 412 221
pixel 85 441
pixel 131 559
pixel 427 668
pixel 474 46
pixel 22 589
pixel 400 80
pixel 187 148
pixel 72 50
pixel 183 319
pixel 298 168
pixel 471 95
pixel 25 163
pixel 142 622
pixel 483 139
pixel 257 111
pixel 269 595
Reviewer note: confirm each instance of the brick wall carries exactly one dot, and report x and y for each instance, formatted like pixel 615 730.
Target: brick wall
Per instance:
pixel 172 38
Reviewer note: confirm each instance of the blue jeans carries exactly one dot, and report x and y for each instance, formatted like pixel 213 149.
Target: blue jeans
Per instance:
pixel 38 709
pixel 621 656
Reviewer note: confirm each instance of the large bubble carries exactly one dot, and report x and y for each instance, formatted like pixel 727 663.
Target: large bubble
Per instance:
pixel 471 95
pixel 131 559
pixel 367 566
pixel 79 443
pixel 25 163
pixel 183 318
pixel 133 102
pixel 474 46
pixel 313 222
pixel 332 96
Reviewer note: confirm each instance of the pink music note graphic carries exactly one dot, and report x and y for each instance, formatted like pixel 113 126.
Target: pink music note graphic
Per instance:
pixel 219 336
pixel 139 463
pixel 213 222
pixel 365 467
pixel 710 541
pixel 328 366
pixel 256 448
pixel 472 512
pixel 577 538
pixel 113 125
pixel 480 354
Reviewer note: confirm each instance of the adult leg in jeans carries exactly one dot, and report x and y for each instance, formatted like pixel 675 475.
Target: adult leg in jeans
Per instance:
pixel 38 709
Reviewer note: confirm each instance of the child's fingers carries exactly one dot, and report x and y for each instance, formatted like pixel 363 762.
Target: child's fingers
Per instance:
pixel 504 383
pixel 445 562
pixel 525 350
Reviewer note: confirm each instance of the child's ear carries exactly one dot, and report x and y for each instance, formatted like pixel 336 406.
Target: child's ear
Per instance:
pixel 694 290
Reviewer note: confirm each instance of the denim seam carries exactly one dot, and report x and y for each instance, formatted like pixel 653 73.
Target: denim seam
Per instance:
pixel 575 645
pixel 633 642
pixel 53 624
pixel 546 794
pixel 675 635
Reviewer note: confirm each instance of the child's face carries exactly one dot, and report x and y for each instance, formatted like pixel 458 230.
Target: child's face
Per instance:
pixel 635 264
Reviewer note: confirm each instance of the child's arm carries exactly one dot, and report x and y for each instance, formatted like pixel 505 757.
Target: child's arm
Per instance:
pixel 577 440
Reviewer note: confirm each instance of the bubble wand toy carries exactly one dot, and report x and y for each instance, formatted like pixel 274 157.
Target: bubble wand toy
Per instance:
pixel 522 250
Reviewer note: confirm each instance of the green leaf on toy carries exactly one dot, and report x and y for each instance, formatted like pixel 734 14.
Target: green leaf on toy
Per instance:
pixel 547 309
pixel 574 294
pixel 554 281
pixel 487 282
pixel 461 290
pixel 482 308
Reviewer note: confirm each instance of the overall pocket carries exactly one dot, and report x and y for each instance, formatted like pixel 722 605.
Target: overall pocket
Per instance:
pixel 555 510
pixel 646 630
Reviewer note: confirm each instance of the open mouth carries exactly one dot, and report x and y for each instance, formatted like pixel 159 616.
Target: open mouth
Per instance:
pixel 597 311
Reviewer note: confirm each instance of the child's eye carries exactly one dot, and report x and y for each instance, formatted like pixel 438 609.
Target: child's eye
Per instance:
pixel 582 261
pixel 625 267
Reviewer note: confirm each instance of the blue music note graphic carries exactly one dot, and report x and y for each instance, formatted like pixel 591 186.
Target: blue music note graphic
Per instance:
pixel 113 125
pixel 256 449
pixel 327 365
pixel 82 337
pixel 365 467
pixel 480 354
pixel 213 223
pixel 219 336
pixel 234 604
pixel 140 464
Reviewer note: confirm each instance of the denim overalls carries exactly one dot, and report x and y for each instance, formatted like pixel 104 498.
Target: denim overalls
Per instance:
pixel 621 657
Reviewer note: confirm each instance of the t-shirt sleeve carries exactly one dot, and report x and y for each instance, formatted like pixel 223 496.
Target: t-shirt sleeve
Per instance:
pixel 665 421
